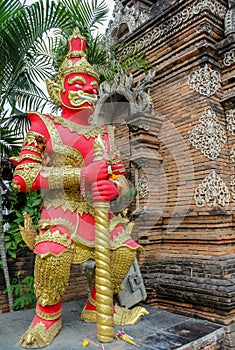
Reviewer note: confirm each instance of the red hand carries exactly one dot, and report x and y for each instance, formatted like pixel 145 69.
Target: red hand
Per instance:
pixel 95 172
pixel 104 191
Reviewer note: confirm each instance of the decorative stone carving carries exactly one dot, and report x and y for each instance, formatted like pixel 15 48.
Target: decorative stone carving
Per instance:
pixel 229 22
pixel 229 58
pixel 230 116
pixel 176 23
pixel 232 155
pixel 233 189
pixel 211 5
pixel 132 16
pixel 141 124
pixel 209 136
pixel 142 190
pixel 143 186
pixel 139 97
pixel 204 27
pixel 212 192
pixel 142 163
pixel 205 81
pixel 137 197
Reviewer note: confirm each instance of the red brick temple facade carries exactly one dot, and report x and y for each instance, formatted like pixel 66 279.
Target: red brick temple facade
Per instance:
pixel 177 133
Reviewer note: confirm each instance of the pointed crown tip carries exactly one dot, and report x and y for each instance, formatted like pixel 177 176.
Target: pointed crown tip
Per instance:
pixel 76 44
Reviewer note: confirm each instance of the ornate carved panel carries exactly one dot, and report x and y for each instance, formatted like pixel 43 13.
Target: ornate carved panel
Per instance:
pixel 209 136
pixel 233 189
pixel 143 186
pixel 229 58
pixel 132 16
pixel 204 27
pixel 205 81
pixel 176 22
pixel 230 116
pixel 212 192
pixel 232 154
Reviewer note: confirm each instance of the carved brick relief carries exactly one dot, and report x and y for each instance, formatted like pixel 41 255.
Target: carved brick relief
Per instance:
pixel 232 154
pixel 212 192
pixel 143 186
pixel 233 189
pixel 205 81
pixel 175 23
pixel 230 117
pixel 204 27
pixel 132 16
pixel 209 136
pixel 229 58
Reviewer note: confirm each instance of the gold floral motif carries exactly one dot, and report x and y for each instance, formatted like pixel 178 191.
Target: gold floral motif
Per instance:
pixel 27 156
pixel 46 316
pixel 62 177
pixel 49 223
pixel 82 253
pixel 69 157
pixel 63 154
pixel 39 335
pixel 122 236
pixel 67 200
pixel 51 276
pixel 16 186
pixel 117 220
pixel 31 148
pixel 121 261
pixel 56 237
pixel 28 172
pixel 28 232
pixel 86 131
pixel 34 138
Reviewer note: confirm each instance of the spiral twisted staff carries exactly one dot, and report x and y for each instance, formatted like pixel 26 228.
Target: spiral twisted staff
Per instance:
pixel 103 284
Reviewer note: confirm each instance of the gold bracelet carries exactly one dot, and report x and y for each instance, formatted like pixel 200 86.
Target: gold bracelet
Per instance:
pixel 71 177
pixel 48 317
pixel 58 177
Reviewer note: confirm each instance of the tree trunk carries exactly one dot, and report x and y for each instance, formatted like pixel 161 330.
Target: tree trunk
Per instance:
pixel 4 255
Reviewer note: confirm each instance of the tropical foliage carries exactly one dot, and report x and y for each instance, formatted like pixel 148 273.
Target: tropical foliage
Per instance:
pixel 28 48
pixel 20 203
pixel 22 289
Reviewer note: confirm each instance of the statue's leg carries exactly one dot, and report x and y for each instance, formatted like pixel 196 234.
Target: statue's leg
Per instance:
pixel 51 273
pixel 121 261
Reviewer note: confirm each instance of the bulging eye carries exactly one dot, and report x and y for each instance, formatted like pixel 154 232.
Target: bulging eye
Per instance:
pixel 78 85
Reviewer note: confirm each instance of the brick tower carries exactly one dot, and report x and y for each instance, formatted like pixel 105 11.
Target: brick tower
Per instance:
pixel 185 159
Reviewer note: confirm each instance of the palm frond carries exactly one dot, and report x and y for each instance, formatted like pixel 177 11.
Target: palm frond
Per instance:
pixel 10 140
pixel 85 15
pixel 8 8
pixel 18 121
pixel 35 99
pixel 21 34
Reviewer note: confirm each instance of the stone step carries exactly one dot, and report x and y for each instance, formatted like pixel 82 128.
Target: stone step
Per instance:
pixel 159 330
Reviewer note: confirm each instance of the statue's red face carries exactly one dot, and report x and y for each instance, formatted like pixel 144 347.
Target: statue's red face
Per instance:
pixel 80 91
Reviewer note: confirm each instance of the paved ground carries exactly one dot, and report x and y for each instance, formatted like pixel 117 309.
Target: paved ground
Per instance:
pixel 159 330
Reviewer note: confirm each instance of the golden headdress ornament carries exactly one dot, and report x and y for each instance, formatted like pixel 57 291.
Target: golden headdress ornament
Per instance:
pixel 75 61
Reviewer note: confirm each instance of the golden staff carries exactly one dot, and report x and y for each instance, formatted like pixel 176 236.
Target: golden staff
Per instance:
pixel 103 284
